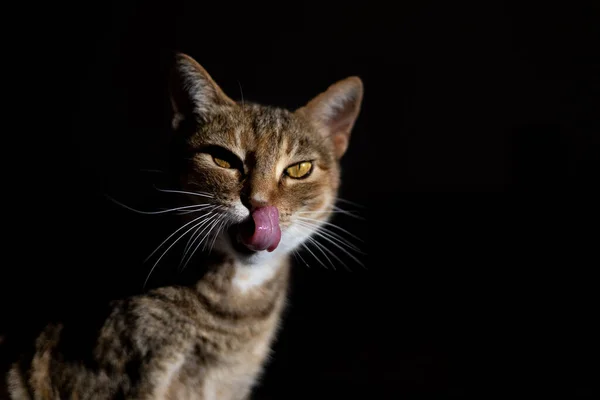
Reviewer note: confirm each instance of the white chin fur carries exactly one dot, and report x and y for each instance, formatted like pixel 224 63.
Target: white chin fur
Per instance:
pixel 253 270
pixel 291 238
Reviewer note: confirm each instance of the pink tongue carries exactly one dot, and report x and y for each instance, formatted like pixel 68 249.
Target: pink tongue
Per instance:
pixel 266 234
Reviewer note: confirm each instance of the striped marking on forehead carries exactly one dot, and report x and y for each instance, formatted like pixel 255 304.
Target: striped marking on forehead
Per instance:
pixel 265 129
pixel 270 121
pixel 276 133
pixel 269 133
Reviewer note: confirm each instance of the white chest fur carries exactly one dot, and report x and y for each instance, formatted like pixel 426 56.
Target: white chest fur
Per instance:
pixel 250 277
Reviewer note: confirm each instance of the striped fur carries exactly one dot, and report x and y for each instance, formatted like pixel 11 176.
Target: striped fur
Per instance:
pixel 209 340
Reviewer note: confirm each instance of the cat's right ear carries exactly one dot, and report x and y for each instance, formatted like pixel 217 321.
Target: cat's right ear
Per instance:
pixel 334 112
pixel 193 92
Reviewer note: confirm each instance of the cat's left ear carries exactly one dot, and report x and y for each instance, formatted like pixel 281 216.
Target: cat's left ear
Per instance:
pixel 334 111
pixel 193 91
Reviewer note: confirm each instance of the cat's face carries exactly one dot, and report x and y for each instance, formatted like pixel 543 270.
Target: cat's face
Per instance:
pixel 266 177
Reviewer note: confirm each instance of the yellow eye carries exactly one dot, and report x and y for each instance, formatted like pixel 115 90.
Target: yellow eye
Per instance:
pixel 221 163
pixel 300 170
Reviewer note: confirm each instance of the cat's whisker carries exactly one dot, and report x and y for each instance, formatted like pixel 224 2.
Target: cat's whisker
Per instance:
pixel 174 233
pixel 200 243
pixel 196 235
pixel 336 210
pixel 349 213
pixel 325 213
pixel 317 222
pixel 328 233
pixel 218 232
pixel 189 242
pixel 167 250
pixel 197 207
pixel 207 236
pixel 349 202
pixel 323 248
pixel 207 224
pixel 192 209
pixel 201 194
pixel 320 234
pixel 297 253
pixel 313 254
pixel 242 94
pixel 341 248
pixel 321 245
pixel 186 212
pixel 311 240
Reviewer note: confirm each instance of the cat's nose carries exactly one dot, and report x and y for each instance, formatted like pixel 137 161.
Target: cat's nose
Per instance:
pixel 254 200
pixel 257 201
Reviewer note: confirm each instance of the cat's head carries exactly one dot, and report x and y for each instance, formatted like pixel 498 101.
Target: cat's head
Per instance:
pixel 265 177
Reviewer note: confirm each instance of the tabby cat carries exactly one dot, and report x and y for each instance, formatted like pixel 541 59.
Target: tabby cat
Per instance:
pixel 264 179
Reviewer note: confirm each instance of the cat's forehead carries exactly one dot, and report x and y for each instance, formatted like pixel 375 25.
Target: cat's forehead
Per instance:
pixel 262 129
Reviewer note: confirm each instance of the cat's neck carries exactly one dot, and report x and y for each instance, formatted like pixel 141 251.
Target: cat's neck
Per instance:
pixel 235 291
pixel 239 278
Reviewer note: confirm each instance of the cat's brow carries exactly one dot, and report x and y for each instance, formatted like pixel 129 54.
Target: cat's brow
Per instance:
pixel 304 154
pixel 302 150
pixel 219 143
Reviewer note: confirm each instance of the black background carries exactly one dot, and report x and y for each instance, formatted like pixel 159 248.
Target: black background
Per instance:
pixel 474 160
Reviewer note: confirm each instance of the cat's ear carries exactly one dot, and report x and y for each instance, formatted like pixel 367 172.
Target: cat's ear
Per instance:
pixel 193 91
pixel 334 111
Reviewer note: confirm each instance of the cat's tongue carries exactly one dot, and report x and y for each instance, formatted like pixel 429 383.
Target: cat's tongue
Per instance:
pixel 265 234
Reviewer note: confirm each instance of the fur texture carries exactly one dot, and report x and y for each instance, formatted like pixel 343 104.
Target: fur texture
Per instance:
pixel 210 340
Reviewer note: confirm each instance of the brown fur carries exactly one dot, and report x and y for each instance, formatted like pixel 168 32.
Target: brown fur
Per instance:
pixel 210 340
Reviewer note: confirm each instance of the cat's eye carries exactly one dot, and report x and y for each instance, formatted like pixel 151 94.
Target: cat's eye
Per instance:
pixel 300 170
pixel 221 163
pixel 223 158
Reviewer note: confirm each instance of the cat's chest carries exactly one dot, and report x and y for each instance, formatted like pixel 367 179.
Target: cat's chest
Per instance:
pixel 227 378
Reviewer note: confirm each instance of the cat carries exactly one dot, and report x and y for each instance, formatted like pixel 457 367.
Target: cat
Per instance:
pixel 264 179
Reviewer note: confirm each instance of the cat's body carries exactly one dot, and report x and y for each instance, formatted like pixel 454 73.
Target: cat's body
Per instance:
pixel 263 180
pixel 204 342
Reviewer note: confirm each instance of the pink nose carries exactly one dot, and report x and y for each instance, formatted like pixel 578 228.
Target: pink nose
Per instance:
pixel 258 202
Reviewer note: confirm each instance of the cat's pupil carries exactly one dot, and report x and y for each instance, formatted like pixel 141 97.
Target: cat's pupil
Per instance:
pixel 299 170
pixel 221 163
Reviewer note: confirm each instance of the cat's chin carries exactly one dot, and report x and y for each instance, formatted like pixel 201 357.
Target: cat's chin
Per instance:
pixel 259 232
pixel 236 243
pixel 241 250
pixel 232 245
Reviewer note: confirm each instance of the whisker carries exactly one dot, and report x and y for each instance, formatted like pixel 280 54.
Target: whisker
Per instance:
pixel 311 240
pixel 197 246
pixel 339 210
pixel 186 212
pixel 349 202
pixel 207 235
pixel 174 233
pixel 320 245
pixel 166 251
pixel 217 233
pixel 332 225
pixel 199 207
pixel 339 247
pixel 344 212
pixel 297 253
pixel 241 93
pixel 313 254
pixel 202 194
pixel 196 234
pixel 190 241
pixel 334 236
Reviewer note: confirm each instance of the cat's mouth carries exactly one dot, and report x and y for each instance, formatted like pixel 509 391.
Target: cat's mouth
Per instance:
pixel 259 232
